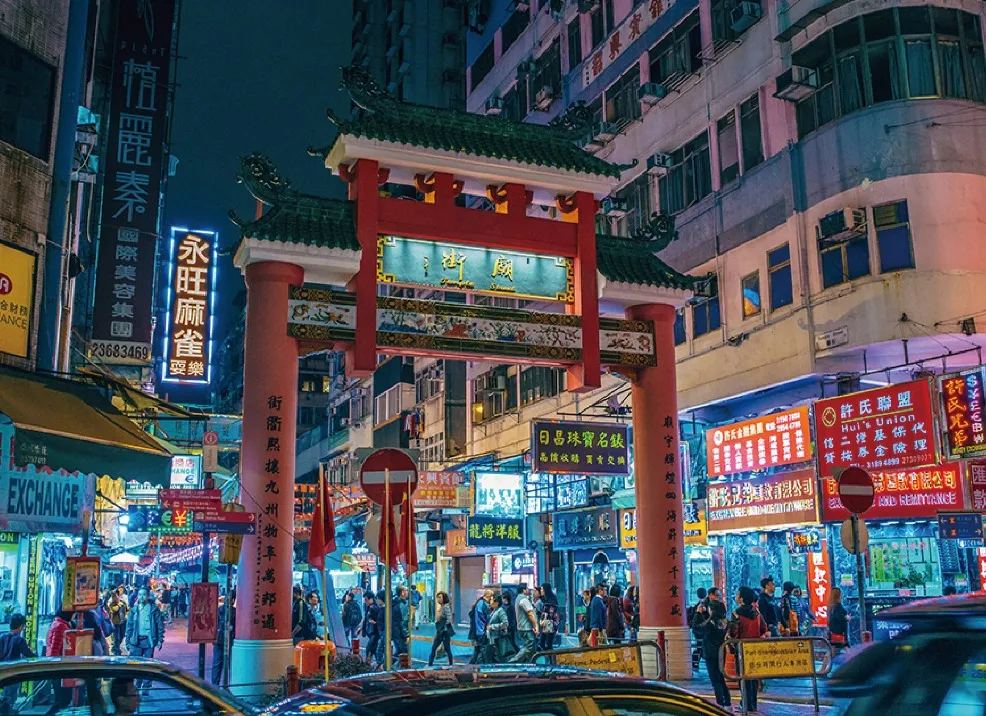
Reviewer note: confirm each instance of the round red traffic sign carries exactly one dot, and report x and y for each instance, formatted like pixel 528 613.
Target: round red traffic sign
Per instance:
pixel 210 437
pixel 856 490
pixel 402 471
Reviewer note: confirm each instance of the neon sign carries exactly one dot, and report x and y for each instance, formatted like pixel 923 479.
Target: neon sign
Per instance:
pixel 191 307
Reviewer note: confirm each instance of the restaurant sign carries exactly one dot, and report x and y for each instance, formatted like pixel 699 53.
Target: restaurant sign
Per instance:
pixel 770 441
pixel 581 448
pixel 499 532
pixel 769 501
pixel 964 414
pixel 921 492
pixel 589 527
pixel 881 429
pixel 457 267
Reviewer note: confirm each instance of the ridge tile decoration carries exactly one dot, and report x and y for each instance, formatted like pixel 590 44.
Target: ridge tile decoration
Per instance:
pixel 318 314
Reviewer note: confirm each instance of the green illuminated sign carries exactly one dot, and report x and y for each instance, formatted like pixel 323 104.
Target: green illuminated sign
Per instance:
pixel 454 267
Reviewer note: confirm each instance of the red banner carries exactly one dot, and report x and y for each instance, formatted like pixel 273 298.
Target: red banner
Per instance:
pixel 769 441
pixel 982 567
pixel 784 499
pixel 902 494
pixel 965 414
pixel 819 585
pixel 977 478
pixel 203 617
pixel 881 429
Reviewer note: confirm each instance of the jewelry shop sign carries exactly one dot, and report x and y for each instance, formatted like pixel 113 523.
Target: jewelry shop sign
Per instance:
pixel 581 448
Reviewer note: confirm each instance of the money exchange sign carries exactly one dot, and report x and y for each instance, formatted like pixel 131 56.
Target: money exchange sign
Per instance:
pixel 964 413
pixel 581 448
pixel 17 269
pixel 902 494
pixel 769 441
pixel 770 501
pixel 188 345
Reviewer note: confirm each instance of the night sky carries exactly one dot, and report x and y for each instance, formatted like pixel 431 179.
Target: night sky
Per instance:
pixel 254 75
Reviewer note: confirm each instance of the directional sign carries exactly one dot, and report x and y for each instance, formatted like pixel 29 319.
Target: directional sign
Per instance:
pixel 960 525
pixel 240 523
pixel 198 500
pixel 856 489
pixel 402 471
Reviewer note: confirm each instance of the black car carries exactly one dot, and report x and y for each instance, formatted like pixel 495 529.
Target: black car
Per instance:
pixel 935 667
pixel 493 691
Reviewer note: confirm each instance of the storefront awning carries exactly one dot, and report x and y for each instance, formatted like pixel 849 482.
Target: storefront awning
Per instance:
pixel 624 499
pixel 64 424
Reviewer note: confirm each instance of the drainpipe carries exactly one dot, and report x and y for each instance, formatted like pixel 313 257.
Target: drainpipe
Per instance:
pixel 57 240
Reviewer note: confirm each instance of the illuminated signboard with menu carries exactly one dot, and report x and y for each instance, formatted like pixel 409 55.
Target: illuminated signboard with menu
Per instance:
pixel 964 415
pixel 581 448
pixel 921 492
pixel 882 429
pixel 780 500
pixel 769 441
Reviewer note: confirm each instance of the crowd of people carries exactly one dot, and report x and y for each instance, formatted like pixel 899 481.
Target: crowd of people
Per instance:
pixel 504 628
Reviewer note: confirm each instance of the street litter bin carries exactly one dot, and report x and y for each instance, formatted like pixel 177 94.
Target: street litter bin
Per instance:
pixel 309 657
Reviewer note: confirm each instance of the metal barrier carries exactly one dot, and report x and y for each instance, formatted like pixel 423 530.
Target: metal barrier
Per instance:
pixel 625 657
pixel 788 657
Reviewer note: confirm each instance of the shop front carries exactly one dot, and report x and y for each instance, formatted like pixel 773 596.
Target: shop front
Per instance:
pixel 591 538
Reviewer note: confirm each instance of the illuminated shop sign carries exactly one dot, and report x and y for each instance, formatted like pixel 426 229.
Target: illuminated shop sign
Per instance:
pixel 779 439
pixel 457 267
pixel 186 471
pixel 152 518
pixel 589 527
pixel 191 304
pixel 804 541
pixel 499 494
pixel 922 492
pixel 695 526
pixel 881 429
pixel 964 419
pixel 441 490
pixel 499 532
pixel 17 271
pixel 581 448
pixel 768 501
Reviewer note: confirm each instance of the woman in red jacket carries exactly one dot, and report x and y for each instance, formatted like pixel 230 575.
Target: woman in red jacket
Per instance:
pixel 55 646
pixel 748 624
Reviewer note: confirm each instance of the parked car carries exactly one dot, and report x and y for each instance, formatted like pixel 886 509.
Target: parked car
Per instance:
pixel 109 686
pixel 495 691
pixel 935 667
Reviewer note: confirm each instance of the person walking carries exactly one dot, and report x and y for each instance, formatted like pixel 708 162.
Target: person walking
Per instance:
pixel 13 647
pixel 370 630
pixel 582 616
pixel 414 603
pixel 616 627
pixel 631 610
pixel 710 624
pixel 351 617
pixel 401 617
pixel 499 631
pixel 443 628
pixel 55 646
pixel 314 604
pixel 380 616
pixel 803 610
pixel 550 618
pixel 302 627
pixel 507 600
pixel 690 613
pixel 226 609
pixel 118 619
pixel 597 615
pixel 767 607
pixel 788 614
pixel 528 628
pixel 479 619
pixel 145 630
pixel 838 620
pixel 748 623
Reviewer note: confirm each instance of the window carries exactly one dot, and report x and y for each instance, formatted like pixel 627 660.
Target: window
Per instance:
pixel 844 261
pixel 750 288
pixel 728 151
pixel 306 415
pixel 705 316
pixel 690 177
pixel 27 100
pixel 623 97
pixel 750 132
pixel 538 383
pixel 481 67
pixel 893 236
pixel 638 198
pixel 574 42
pixel 547 73
pixel 515 101
pixel 679 327
pixel 513 28
pixel 898 53
pixel 596 25
pixel 678 54
pixel 722 20
pixel 387 405
pixel 779 277
pixel 610 15
pixel 308 386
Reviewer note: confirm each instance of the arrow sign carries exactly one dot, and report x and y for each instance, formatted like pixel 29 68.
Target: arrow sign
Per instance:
pixel 244 523
pixel 209 501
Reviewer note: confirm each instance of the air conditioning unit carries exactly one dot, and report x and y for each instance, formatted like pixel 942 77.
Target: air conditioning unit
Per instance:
pixel 357 47
pixel 544 98
pixel 613 206
pixel 605 131
pixel 842 225
pixel 391 52
pixel 405 29
pixel 556 8
pixel 393 14
pixel 659 163
pixel 745 15
pixel 652 92
pixel 796 83
pixel 404 68
pixel 494 105
pixel 527 67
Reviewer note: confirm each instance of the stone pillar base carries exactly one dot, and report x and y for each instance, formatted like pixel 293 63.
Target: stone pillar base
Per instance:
pixel 677 652
pixel 257 663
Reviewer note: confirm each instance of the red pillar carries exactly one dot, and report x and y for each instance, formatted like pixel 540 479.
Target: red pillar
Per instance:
pixel 361 359
pixel 263 646
pixel 587 375
pixel 661 566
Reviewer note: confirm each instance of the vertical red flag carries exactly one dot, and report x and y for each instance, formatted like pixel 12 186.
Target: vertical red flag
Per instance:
pixel 387 526
pixel 323 537
pixel 408 544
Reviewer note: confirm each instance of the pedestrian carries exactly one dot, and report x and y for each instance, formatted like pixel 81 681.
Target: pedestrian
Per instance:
pixel 748 623
pixel 55 646
pixel 444 631
pixel 165 599
pixel 631 610
pixel 302 627
pixel 145 630
pixel 370 630
pixel 351 617
pixel 499 631
pixel 314 604
pixel 380 616
pixel 508 606
pixel 175 602
pixel 767 607
pixel 479 619
pixel 13 646
pixel 183 601
pixel 226 608
pixel 838 620
pixel 401 618
pixel 118 618
pixel 597 616
pixel 710 623
pixel 690 613
pixel 805 616
pixel 414 606
pixel 788 612
pixel 616 627
pixel 91 619
pixel 582 616
pixel 550 617
pixel 528 629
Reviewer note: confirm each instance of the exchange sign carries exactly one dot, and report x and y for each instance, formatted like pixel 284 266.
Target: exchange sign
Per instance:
pixel 779 439
pixel 964 413
pixel 191 299
pixel 780 500
pixel 17 269
pixel 902 494
pixel 882 429
pixel 581 448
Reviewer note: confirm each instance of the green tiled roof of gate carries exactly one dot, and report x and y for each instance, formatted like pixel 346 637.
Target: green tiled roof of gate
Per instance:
pixel 309 220
pixel 632 261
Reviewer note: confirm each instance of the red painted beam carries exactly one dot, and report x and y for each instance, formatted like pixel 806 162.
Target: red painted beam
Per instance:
pixel 586 376
pixel 361 359
pixel 456 224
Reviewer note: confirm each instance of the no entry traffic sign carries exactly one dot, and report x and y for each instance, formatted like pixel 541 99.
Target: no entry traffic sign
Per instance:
pixel 403 475
pixel 856 490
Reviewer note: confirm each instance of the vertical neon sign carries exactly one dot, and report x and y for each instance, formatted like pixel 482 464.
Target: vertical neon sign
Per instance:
pixel 191 306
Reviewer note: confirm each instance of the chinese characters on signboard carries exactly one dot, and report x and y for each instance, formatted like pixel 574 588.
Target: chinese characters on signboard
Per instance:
pixel 696 529
pixel 441 490
pixel 804 541
pixel 616 44
pixel 819 584
pixel 628 529
pixel 185 471
pixel 880 429
pixel 501 532
pixel 457 544
pixel 922 492
pixel 188 343
pixel 777 658
pixel 134 168
pixel 964 418
pixel 17 269
pixel 266 585
pixel 203 621
pixel 977 481
pixel 589 527
pixel 769 441
pixel 787 498
pixel 581 448
pixel 151 518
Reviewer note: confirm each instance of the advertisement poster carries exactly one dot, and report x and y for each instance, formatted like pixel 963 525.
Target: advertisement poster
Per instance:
pixel 770 441
pixel 81 584
pixel 581 448
pixel 498 494
pixel 903 494
pixel 782 500
pixel 17 274
pixel 440 490
pixel 203 616
pixel 881 429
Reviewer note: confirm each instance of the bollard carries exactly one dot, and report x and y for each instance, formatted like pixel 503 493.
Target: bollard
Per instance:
pixel 292 681
pixel 355 647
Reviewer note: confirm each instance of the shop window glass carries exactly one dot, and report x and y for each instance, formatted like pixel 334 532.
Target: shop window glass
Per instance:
pixel 750 290
pixel 27 99
pixel 750 133
pixel 575 42
pixel 728 151
pixel 779 276
pixel 679 327
pixel 844 261
pixel 893 236
pixel 706 317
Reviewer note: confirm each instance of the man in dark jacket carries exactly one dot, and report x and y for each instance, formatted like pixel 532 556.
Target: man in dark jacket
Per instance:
pixel 13 646
pixel 228 607
pixel 371 630
pixel 145 630
pixel 767 607
pixel 399 613
pixel 710 624
pixel 597 614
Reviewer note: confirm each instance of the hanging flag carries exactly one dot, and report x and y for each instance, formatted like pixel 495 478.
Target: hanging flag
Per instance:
pixel 323 537
pixel 387 526
pixel 408 545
